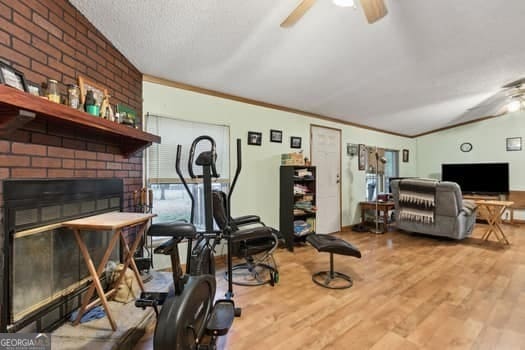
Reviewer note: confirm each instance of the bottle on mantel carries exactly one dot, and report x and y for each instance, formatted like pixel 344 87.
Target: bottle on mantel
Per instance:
pixel 52 91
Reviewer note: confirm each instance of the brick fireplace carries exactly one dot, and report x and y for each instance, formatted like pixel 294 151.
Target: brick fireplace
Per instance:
pixel 51 39
pixel 44 275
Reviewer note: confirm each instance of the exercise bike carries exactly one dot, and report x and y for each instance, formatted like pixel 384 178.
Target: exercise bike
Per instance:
pixel 189 319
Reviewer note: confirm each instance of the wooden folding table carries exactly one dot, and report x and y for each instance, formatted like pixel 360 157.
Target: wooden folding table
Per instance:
pixel 493 212
pixel 114 222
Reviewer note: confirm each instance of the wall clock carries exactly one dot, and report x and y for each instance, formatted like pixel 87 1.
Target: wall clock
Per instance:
pixel 466 147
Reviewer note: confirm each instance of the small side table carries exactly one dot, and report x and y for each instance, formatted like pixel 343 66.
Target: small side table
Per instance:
pixel 383 207
pixel 494 210
pixel 114 222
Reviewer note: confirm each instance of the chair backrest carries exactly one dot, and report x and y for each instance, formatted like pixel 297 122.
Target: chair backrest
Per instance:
pixel 449 200
pixel 219 209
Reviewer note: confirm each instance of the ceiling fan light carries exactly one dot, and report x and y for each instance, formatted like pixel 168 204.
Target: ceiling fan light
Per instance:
pixel 514 106
pixel 344 3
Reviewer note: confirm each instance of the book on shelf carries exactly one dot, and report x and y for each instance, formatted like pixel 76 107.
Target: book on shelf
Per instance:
pixel 311 222
pixel 303 174
pixel 300 189
pixel 301 228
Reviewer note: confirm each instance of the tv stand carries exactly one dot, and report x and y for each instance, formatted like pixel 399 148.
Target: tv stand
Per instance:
pixel 488 197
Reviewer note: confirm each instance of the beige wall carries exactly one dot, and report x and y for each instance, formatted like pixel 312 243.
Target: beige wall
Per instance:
pixel 488 139
pixel 258 186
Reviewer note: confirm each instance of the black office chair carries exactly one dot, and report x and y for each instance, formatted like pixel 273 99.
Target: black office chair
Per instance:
pixel 254 244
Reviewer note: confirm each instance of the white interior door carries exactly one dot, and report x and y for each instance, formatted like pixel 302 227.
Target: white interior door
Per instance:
pixel 326 156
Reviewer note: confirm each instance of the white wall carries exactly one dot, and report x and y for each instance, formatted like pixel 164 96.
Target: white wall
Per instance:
pixel 258 186
pixel 488 139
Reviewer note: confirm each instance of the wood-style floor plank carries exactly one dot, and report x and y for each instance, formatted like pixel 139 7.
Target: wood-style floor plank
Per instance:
pixel 410 292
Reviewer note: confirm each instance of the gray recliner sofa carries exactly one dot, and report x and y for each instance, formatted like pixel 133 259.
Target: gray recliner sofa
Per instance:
pixel 452 216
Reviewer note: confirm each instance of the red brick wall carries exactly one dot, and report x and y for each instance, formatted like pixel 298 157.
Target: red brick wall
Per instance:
pixel 27 161
pixel 51 39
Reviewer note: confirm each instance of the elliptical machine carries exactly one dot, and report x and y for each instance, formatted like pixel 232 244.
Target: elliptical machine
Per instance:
pixel 188 320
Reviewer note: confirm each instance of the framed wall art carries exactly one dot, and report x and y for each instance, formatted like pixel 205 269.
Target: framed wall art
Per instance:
pixel 405 156
pixel 295 142
pixel 254 138
pixel 276 136
pixel 12 77
pixel 361 151
pixel 514 144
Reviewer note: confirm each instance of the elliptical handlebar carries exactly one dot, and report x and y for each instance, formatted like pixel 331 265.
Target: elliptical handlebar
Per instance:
pixel 234 182
pixel 181 177
pixel 206 158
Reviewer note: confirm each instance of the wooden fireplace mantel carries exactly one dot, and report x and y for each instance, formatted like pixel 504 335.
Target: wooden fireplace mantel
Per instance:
pixel 19 109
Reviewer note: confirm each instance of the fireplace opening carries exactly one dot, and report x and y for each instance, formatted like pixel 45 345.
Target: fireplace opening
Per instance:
pixel 43 274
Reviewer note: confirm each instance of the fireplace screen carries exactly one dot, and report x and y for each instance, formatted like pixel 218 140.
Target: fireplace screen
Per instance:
pixel 45 270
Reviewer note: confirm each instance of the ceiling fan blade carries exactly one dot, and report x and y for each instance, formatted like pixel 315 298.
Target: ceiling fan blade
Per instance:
pixel 514 83
pixel 296 14
pixel 374 9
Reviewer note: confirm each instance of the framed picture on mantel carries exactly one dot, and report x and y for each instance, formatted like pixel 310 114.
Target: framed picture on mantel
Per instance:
pixel 12 77
pixel 99 91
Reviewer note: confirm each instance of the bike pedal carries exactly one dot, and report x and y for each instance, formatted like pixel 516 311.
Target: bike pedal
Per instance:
pixel 151 299
pixel 143 303
pixel 221 318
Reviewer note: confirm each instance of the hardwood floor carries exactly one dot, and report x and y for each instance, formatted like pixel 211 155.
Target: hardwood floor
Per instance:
pixel 410 292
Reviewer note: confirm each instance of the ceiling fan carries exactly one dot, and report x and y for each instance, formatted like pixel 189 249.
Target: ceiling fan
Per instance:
pixel 510 98
pixel 515 93
pixel 374 10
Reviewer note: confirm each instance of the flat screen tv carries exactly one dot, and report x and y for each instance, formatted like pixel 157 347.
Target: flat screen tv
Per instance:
pixel 478 178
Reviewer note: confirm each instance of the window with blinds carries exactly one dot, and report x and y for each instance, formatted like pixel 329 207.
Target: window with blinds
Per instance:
pixel 386 171
pixel 170 199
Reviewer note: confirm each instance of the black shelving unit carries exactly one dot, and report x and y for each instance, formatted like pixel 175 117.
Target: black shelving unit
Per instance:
pixel 288 179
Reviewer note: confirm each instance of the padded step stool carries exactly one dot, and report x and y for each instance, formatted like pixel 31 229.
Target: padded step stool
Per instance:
pixel 333 245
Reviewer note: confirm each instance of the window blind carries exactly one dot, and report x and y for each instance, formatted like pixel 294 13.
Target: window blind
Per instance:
pixel 161 157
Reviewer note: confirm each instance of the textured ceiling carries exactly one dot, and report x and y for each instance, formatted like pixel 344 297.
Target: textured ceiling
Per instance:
pixel 422 67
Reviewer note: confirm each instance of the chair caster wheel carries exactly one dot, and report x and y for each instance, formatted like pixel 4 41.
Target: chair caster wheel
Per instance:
pixel 274 278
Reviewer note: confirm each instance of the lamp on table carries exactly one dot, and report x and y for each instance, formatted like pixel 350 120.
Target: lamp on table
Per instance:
pixel 381 160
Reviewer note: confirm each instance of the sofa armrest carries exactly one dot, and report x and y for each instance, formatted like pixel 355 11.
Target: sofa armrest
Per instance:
pixel 469 207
